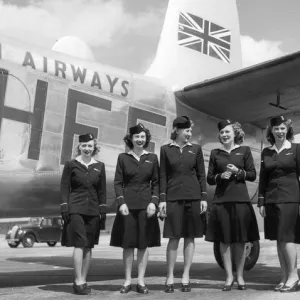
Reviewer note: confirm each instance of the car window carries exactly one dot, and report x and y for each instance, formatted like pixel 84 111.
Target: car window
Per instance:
pixel 34 221
pixel 57 221
pixel 47 222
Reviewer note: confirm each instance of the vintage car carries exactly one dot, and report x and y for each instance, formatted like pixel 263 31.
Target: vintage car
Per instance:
pixel 38 230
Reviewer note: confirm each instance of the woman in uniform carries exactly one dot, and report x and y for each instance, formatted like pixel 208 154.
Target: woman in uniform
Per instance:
pixel 136 186
pixel 232 220
pixel 183 198
pixel 278 199
pixel 83 207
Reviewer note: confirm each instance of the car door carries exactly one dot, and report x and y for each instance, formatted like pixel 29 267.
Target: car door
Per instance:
pixel 46 231
pixel 56 228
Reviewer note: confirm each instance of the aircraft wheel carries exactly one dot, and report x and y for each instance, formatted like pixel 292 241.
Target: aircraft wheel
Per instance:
pixel 13 244
pixel 28 240
pixel 51 244
pixel 252 254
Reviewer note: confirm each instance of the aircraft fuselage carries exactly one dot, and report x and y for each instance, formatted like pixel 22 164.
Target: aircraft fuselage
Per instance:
pixel 46 102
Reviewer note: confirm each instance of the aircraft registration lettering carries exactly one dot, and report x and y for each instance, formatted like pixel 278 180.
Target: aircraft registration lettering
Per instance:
pixel 22 116
pixel 52 148
pixel 71 126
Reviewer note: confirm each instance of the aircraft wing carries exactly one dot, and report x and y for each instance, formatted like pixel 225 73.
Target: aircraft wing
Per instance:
pixel 245 95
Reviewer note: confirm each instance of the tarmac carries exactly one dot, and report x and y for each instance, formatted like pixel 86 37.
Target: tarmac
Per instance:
pixel 44 272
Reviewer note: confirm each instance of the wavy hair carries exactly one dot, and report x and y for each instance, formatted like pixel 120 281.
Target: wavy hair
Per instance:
pixel 289 135
pixel 128 139
pixel 95 152
pixel 239 134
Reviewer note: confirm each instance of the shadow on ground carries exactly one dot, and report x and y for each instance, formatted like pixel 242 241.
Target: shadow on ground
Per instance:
pixel 203 275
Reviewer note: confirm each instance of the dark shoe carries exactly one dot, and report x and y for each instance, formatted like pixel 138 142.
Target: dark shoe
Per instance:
pixel 279 287
pixel 185 287
pixel 87 287
pixel 291 288
pixel 169 288
pixel 80 289
pixel 142 289
pixel 227 288
pixel 125 289
pixel 242 287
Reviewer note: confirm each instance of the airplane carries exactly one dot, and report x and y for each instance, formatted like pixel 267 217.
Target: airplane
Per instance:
pixel 48 98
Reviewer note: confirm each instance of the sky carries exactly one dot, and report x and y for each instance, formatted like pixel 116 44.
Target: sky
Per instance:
pixel 125 33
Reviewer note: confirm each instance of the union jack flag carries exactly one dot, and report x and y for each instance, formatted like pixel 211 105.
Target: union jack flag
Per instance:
pixel 204 36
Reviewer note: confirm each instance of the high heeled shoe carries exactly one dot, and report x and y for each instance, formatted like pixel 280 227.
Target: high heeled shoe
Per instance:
pixel 80 289
pixel 185 287
pixel 169 288
pixel 291 288
pixel 142 289
pixel 278 287
pixel 242 287
pixel 125 289
pixel 228 287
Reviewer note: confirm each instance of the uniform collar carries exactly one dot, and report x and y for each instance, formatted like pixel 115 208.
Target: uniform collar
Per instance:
pixel 224 149
pixel 79 159
pixel 286 145
pixel 136 156
pixel 176 145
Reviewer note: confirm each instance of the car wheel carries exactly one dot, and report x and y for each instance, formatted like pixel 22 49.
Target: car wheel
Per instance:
pixel 252 254
pixel 28 240
pixel 51 244
pixel 13 244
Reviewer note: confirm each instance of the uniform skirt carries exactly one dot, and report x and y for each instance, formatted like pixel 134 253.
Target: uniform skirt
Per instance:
pixel 135 230
pixel 282 222
pixel 82 231
pixel 184 220
pixel 232 223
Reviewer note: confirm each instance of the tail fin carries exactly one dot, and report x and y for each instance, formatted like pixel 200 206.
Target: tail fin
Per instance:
pixel 200 40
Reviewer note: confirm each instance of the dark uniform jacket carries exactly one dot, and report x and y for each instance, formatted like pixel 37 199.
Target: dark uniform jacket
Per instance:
pixel 279 175
pixel 83 190
pixel 182 174
pixel 136 182
pixel 233 189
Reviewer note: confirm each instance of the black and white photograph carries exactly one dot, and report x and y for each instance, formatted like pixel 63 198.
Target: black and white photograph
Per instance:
pixel 149 149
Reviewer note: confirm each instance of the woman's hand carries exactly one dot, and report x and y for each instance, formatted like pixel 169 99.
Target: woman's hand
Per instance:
pixel 226 175
pixel 203 207
pixel 102 218
pixel 151 209
pixel 162 209
pixel 232 168
pixel 124 209
pixel 262 211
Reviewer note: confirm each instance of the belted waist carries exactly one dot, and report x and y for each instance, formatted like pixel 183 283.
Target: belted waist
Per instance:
pixel 136 184
pixel 279 175
pixel 186 203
